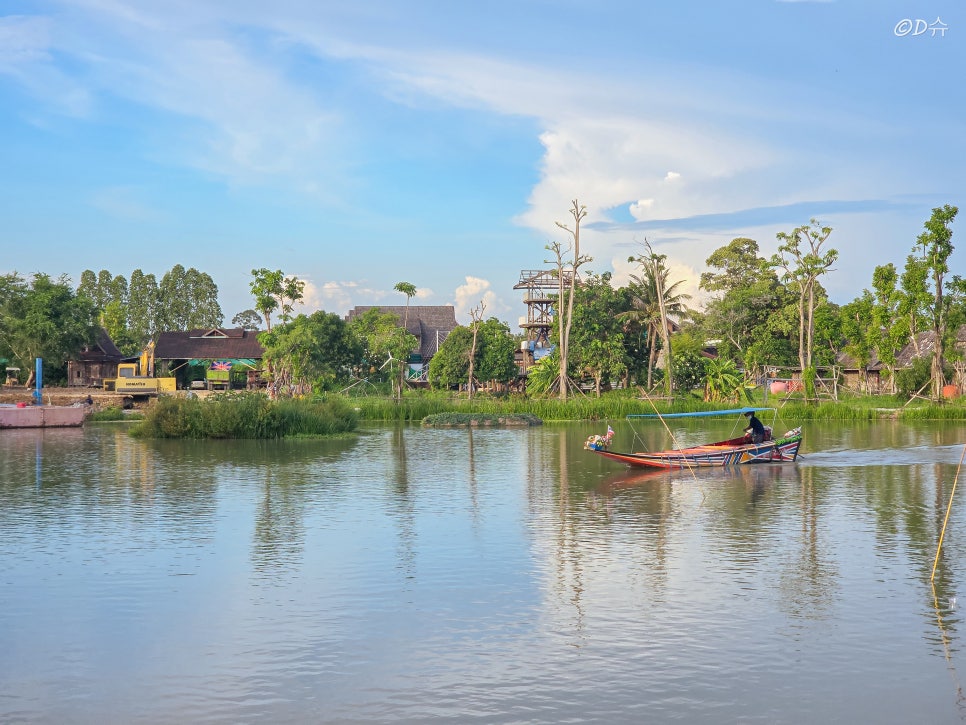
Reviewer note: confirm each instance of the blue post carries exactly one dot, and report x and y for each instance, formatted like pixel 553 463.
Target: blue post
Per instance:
pixel 39 374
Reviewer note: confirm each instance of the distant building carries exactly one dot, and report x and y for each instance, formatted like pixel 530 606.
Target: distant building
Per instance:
pixel 94 363
pixel 429 324
pixel 219 350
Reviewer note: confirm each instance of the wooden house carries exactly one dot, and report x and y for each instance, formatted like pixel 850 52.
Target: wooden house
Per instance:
pixel 94 363
pixel 218 350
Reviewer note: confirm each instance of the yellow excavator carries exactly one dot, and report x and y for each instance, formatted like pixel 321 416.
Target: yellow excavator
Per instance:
pixel 138 378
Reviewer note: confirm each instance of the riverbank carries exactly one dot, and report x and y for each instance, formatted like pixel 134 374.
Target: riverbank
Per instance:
pixel 417 405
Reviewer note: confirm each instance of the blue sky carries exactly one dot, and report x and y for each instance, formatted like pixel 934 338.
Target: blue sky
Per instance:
pixel 357 145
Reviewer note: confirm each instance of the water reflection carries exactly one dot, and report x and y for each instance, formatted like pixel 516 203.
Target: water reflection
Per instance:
pixel 436 575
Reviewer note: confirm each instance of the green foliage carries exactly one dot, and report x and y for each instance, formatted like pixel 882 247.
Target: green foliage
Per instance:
pixel 724 382
pixel 114 413
pixel 247 320
pixel 911 380
pixel 381 338
pixel 310 353
pixel 800 255
pixel 597 341
pixel 689 370
pixel 273 291
pixel 187 300
pixel 495 348
pixel 542 376
pixel 617 404
pixel 745 316
pixel 451 364
pixel 44 318
pixel 244 415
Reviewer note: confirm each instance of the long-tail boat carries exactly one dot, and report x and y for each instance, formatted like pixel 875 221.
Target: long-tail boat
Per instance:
pixel 732 452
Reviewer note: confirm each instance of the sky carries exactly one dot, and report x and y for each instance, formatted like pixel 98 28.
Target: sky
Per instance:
pixel 357 145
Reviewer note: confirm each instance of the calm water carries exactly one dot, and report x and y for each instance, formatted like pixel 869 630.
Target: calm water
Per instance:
pixel 501 576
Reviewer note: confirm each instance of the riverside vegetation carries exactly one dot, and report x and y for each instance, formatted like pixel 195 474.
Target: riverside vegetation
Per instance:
pixel 254 415
pixel 245 415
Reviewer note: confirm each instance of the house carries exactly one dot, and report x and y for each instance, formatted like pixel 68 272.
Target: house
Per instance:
pixel 94 363
pixel 428 323
pixel 227 349
pixel 854 377
pixel 921 348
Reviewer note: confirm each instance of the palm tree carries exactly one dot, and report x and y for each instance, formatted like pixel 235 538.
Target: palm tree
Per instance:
pixel 646 313
pixel 410 291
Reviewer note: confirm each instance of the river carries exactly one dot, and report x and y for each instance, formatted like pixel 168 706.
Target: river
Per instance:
pixel 415 575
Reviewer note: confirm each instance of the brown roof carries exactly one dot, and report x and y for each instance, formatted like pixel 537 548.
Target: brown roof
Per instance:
pixel 103 350
pixel 429 323
pixel 216 344
pixel 927 344
pixel 904 358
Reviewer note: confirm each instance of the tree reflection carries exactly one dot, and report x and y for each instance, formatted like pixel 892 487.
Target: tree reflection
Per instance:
pixel 403 506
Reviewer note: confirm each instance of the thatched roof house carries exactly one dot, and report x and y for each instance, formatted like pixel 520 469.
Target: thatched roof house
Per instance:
pixel 923 348
pixel 430 324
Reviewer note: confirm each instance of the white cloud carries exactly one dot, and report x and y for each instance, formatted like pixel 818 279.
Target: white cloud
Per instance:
pixel 340 297
pixel 470 295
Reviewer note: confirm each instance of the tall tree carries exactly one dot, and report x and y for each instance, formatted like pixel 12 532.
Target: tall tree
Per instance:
pixel 937 247
pixel 273 291
pixel 890 328
pixel 597 343
pixel 476 314
pixel 383 341
pixel 800 255
pixel 188 299
pixel 409 290
pixel 567 275
pixel 44 318
pixel 309 354
pixel 746 296
pixel 247 320
pixel 142 308
pixel 656 302
pixel 861 336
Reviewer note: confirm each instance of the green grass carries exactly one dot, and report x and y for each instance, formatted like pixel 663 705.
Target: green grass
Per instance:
pixel 417 405
pixel 113 414
pixel 244 415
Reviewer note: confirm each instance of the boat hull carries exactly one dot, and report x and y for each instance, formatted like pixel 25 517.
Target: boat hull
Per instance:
pixel 726 453
pixel 42 416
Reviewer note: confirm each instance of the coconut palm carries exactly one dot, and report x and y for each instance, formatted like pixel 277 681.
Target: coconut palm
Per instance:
pixel 645 312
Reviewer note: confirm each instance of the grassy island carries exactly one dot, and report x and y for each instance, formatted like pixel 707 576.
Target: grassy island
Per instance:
pixel 245 415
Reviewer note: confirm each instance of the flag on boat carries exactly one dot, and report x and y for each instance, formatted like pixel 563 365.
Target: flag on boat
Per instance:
pixel 610 432
pixel 221 365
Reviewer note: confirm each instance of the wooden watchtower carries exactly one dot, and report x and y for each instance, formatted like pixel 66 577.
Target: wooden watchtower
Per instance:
pixel 538 286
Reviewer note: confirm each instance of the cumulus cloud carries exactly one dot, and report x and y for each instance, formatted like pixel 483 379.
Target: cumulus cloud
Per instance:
pixel 471 294
pixel 340 297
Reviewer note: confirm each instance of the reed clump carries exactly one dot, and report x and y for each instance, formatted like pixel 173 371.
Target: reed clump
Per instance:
pixel 245 415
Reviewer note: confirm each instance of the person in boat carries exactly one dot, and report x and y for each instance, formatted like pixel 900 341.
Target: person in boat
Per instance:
pixel 755 429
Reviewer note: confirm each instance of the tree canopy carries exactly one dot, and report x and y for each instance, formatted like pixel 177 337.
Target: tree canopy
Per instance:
pixel 44 318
